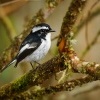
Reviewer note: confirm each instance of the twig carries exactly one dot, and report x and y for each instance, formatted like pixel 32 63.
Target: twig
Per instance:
pixel 68 23
pixel 11 6
pixel 64 41
pixel 6 21
pixel 84 67
pixel 88 15
pixel 86 50
pixel 66 86
pixel 87 19
pixel 86 89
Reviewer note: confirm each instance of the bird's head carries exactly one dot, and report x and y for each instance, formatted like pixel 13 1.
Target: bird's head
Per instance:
pixel 42 28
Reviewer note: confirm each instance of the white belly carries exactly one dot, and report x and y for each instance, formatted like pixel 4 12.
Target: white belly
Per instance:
pixel 41 51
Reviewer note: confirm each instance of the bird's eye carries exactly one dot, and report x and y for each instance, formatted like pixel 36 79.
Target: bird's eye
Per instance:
pixel 43 30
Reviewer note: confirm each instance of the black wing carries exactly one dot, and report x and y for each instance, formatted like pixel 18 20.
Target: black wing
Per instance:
pixel 27 40
pixel 28 46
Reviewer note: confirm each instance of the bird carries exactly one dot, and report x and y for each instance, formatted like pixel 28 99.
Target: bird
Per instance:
pixel 35 46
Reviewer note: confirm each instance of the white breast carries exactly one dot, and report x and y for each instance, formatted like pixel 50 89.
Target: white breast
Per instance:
pixel 41 51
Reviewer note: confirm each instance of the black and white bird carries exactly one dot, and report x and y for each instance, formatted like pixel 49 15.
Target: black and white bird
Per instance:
pixel 35 46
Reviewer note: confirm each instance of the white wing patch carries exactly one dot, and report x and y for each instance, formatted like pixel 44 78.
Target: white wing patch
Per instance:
pixel 23 48
pixel 27 46
pixel 38 28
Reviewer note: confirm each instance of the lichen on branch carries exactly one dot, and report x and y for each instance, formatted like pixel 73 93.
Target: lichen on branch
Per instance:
pixel 66 86
pixel 58 63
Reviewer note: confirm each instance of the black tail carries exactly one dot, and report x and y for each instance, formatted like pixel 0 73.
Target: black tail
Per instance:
pixel 7 65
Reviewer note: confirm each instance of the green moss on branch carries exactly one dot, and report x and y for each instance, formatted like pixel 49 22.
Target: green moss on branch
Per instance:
pixel 66 86
pixel 33 77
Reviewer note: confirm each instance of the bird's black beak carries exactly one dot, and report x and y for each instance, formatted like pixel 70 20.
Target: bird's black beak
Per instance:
pixel 52 31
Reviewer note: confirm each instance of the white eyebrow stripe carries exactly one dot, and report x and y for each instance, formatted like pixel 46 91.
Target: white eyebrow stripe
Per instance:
pixel 38 28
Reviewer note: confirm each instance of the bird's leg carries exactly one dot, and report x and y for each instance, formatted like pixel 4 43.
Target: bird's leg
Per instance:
pixel 32 65
pixel 37 62
pixel 56 77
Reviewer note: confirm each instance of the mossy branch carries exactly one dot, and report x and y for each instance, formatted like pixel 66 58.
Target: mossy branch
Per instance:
pixel 58 63
pixel 66 86
pixel 33 77
pixel 69 20
pixel 43 72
